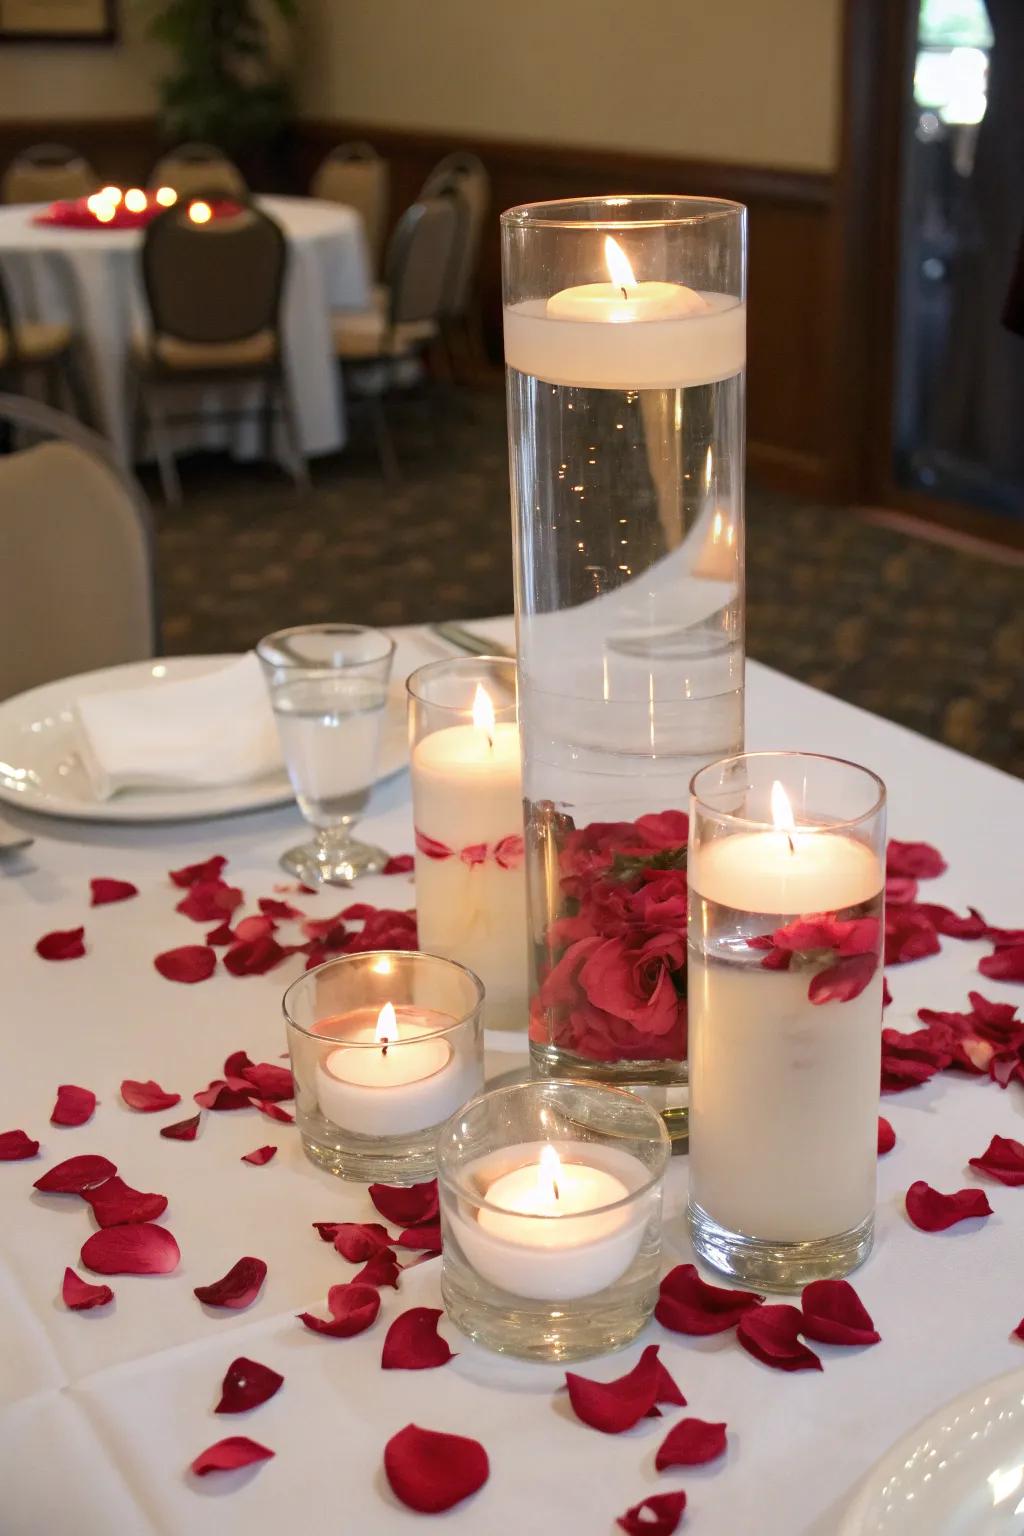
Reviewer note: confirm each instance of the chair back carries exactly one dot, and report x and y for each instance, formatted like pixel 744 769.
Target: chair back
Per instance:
pixel 463 175
pixel 215 282
pixel 76 578
pixel 197 170
pixel 47 172
pixel 354 174
pixel 419 260
pixel 9 356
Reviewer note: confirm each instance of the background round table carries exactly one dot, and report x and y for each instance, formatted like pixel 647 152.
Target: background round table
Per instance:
pixel 92 279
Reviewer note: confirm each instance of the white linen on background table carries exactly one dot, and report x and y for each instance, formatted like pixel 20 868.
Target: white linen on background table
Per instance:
pixel 92 279
pixel 102 1414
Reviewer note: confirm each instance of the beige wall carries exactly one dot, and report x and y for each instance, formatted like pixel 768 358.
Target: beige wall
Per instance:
pixel 748 81
pixel 67 80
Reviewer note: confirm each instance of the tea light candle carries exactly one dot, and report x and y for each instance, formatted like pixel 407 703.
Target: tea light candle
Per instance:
pixel 389 1074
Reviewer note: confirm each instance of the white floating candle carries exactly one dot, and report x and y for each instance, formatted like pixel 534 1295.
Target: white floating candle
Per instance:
pixel 389 1074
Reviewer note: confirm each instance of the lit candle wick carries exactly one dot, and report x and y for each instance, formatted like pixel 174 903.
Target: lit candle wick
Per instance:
pixel 782 814
pixel 625 295
pixel 483 714
pixel 551 1167
pixel 387 1027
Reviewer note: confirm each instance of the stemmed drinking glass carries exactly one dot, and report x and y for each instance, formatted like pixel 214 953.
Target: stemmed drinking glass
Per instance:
pixel 328 689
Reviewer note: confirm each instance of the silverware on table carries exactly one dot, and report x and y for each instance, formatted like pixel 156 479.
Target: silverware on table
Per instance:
pixel 12 838
pixel 466 640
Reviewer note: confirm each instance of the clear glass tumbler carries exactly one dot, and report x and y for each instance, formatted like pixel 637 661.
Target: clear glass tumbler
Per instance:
pixel 329 690
pixel 787 877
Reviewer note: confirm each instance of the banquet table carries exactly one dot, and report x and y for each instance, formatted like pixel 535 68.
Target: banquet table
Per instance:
pixel 101 1413
pixel 92 279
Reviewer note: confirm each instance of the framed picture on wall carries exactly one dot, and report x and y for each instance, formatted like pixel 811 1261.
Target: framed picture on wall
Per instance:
pixel 58 21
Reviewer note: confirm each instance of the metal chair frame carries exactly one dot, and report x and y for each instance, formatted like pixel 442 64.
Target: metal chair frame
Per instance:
pixel 62 367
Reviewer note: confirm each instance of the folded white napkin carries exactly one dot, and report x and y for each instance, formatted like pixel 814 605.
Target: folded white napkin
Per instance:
pixel 217 728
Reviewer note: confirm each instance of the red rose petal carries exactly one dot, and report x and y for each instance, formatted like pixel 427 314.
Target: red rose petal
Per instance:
pixel 427 1239
pixel 75 1174
pixel 181 1130
pixel 413 1342
pixel 900 889
pixel 886 1137
pixel 296 888
pixel 842 981
pixel 236 1064
pixel 115 1204
pixel 251 928
pixel 899 1075
pixel 690 1443
pixel 687 1304
pixel 238 1288
pixel 281 911
pixel 189 963
pixel 219 1096
pixel 221 936
pixel 147 1097
pixel 886 994
pixel 381 1269
pixel 79 1296
pixel 613 1406
pixel 834 1314
pixel 359 1241
pixel 230 1454
pixel 919 860
pixel 666 1510
pixel 74 1106
pixel 771 1335
pixel 1005 964
pixel 133 1250
pixel 934 1212
pixel 105 891
pixel 1003 1160
pixel 209 869
pixel 246 1385
pixel 1019 1330
pixel 352 1307
pixel 260 1156
pixel 271 1082
pixel 431 1472
pixel 273 1111
pixel 399 864
pixel 66 945
pixel 323 927
pixel 909 935
pixel 210 901
pixel 410 1207
pixel 946 922
pixel 15 1145
pixel 255 957
pixel 327 1230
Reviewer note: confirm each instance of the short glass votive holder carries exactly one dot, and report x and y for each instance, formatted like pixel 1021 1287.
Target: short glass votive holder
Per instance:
pixel 385 1046
pixel 786 876
pixel 551 1198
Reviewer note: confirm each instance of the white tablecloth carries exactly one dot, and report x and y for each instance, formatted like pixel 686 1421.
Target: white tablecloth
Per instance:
pixel 92 278
pixel 102 1414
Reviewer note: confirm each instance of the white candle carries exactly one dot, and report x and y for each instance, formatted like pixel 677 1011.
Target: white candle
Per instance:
pixel 471 881
pixel 553 1227
pixel 390 1074
pixel 783 1092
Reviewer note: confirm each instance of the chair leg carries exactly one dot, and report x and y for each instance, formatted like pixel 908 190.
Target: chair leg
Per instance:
pixel 268 420
pixel 383 437
pixel 300 470
pixel 170 484
pixel 77 389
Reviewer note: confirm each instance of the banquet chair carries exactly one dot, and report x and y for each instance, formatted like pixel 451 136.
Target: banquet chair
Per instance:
pixel 47 172
pixel 199 170
pixel 213 292
pixel 418 262
pixel 354 174
pixel 463 175
pixel 76 578
pixel 35 349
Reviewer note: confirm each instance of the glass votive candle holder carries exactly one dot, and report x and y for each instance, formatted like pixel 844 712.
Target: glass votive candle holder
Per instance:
pixel 385 1046
pixel 551 1197
pixel 467 798
pixel 786 878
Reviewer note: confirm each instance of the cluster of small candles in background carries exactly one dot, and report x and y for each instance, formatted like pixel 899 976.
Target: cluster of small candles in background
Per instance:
pixel 103 205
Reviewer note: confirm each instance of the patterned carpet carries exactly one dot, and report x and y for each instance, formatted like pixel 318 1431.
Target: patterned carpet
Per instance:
pixel 921 633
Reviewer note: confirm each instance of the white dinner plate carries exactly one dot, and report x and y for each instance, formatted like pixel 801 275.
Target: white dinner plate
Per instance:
pixel 40 769
pixel 959 1473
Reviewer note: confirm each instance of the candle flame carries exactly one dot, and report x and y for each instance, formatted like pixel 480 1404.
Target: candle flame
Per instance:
pixel 104 213
pixel 135 200
pixel 166 197
pixel 782 814
pixel 200 213
pixel 550 1170
pixel 387 1027
pixel 110 195
pixel 483 712
pixel 619 269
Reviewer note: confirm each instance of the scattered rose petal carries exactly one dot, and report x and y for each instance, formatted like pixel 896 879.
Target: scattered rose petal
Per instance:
pixel 133 1250
pixel 1003 1160
pixel 238 1288
pixel 886 994
pixel 934 1212
pixel 280 911
pixel 16 1145
pixel 358 1241
pixel 325 929
pixel 79 1295
pixel 230 1454
pixel 352 1307
pixel 399 864
pixel 188 963
pixel 260 1156
pixel 946 922
pixel 209 869
pixel 771 1335
pixel 273 1111
pixel 237 1064
pixel 899 1075
pixel 381 1269
pixel 426 1238
pixel 833 1313
pixel 413 1342
pixel 255 957
pixel 251 928
pixel 74 1106
pixel 210 901
pixel 327 1230
pixel 690 1443
pixel 900 890
pixel 219 1096
pixel 66 945
pixel 115 1204
pixel 246 1385
pixel 1019 1330
pixel 181 1130
pixel 431 1472
pixel 106 891
pixel 270 1081
pixel 613 1406
pixel 75 1174
pixel 410 1207
pixel 1005 964
pixel 295 888
pixel 886 1137
pixel 221 936
pixel 909 935
pixel 687 1304
pixel 657 1515
pixel 147 1097
pixel 919 860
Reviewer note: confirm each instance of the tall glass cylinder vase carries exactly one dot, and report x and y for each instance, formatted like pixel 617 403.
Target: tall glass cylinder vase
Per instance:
pixel 625 324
